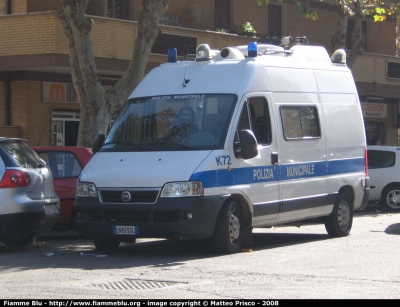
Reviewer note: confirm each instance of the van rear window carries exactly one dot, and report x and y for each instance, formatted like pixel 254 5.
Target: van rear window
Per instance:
pixel 300 122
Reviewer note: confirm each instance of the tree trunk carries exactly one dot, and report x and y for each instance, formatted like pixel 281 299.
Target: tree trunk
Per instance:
pixel 339 39
pixel 358 47
pixel 97 105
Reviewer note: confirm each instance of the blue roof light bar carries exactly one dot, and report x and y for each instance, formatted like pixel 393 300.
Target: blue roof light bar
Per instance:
pixel 172 55
pixel 252 50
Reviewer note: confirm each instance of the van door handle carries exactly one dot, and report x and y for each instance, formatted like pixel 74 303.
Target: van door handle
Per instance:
pixel 274 158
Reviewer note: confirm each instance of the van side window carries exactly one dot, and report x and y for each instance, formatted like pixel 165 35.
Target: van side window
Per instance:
pixel 300 122
pixel 255 117
pixel 244 121
pixel 260 120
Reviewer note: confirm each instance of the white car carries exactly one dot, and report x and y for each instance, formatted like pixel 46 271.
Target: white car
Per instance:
pixel 384 172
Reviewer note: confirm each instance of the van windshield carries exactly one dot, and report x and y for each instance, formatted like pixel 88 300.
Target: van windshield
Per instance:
pixel 172 122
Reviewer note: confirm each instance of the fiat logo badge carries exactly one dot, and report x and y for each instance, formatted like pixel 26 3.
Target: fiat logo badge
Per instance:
pixel 126 196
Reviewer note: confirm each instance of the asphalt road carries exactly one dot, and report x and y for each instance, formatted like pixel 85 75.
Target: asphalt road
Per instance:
pixel 285 263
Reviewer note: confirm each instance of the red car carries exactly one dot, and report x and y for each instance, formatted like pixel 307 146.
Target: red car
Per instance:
pixel 66 163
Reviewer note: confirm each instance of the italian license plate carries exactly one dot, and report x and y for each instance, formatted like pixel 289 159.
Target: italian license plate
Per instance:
pixel 126 230
pixel 50 209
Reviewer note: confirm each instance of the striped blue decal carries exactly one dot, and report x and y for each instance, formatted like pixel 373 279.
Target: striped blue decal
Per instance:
pixel 255 174
pixel 246 175
pixel 303 170
pixel 249 175
pixel 346 166
pixel 210 179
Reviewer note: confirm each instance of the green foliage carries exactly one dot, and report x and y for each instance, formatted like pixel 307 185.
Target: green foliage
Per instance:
pixel 380 14
pixel 304 9
pixel 248 27
pixel 378 9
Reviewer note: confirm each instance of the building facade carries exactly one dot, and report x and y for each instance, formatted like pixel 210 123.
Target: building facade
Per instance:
pixel 38 101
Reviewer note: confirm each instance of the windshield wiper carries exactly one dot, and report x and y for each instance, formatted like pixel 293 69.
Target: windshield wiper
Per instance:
pixel 125 144
pixel 171 145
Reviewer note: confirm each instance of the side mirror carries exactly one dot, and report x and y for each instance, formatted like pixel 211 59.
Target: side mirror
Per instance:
pixel 246 148
pixel 98 142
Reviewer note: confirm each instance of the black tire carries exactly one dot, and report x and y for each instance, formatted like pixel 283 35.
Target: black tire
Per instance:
pixel 340 221
pixel 391 198
pixel 106 244
pixel 21 241
pixel 228 231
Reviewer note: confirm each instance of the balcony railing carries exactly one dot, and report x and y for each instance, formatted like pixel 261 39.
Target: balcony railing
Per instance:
pixel 41 33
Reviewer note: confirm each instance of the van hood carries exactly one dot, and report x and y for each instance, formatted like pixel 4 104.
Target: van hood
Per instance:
pixel 141 169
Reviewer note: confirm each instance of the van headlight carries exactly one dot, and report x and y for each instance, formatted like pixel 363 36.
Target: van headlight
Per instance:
pixel 182 189
pixel 86 189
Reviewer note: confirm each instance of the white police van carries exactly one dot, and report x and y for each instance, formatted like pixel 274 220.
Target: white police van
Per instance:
pixel 249 136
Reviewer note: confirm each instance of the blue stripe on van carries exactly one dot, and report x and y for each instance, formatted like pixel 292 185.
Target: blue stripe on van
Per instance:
pixel 303 170
pixel 248 175
pixel 346 166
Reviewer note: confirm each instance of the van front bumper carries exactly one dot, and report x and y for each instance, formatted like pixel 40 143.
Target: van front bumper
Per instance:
pixel 178 217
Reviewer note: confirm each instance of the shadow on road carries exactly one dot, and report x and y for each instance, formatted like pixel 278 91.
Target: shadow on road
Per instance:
pixel 67 249
pixel 73 251
pixel 393 229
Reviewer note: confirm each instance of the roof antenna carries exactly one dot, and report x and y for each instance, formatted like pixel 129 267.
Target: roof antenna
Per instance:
pixel 185 81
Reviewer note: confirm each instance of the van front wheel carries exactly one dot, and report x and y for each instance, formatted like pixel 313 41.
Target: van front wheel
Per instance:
pixel 228 231
pixel 339 222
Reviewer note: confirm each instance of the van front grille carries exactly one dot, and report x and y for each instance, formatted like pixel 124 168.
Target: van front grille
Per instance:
pixel 136 196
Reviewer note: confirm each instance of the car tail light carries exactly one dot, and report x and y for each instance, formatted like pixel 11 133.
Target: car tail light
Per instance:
pixel 366 160
pixel 15 179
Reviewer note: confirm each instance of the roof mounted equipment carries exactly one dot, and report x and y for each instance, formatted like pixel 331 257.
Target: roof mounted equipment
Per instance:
pixel 339 56
pixel 203 52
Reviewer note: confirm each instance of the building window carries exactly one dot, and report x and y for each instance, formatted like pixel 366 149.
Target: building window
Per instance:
pixel 222 14
pixel 117 9
pixel 350 26
pixel 95 8
pixel 393 70
pixel 274 21
pixel 274 24
pixel 171 20
pixel 109 8
pixel 184 44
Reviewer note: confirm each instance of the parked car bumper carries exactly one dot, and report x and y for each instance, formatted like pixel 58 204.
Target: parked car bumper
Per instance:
pixel 21 224
pixel 18 202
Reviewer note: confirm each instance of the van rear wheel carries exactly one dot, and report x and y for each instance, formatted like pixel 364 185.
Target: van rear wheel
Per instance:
pixel 106 244
pixel 228 231
pixel 340 221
